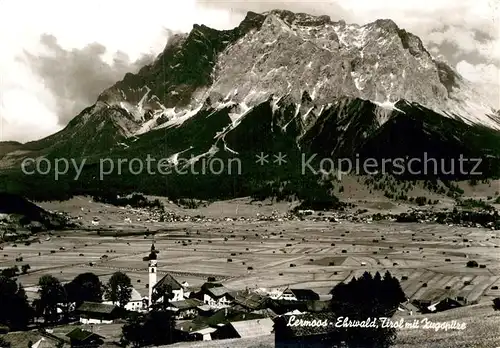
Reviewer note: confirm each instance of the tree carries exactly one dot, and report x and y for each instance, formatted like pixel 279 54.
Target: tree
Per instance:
pixel 164 293
pixel 15 312
pixel 85 287
pixel 154 329
pixel 10 272
pixel 496 304
pixel 472 264
pixel 132 333
pixel 363 298
pixel 4 343
pixel 119 289
pixel 52 295
pixel 25 268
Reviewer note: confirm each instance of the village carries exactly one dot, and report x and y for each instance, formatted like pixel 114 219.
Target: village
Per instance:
pixel 240 277
pixel 205 313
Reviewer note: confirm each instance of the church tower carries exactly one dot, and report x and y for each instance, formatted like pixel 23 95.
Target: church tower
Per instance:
pixel 152 274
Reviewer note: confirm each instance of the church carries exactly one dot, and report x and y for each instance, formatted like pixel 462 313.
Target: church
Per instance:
pixel 166 287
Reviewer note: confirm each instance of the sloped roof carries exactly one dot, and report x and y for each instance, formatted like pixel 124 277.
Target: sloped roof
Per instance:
pixel 187 304
pixel 250 300
pixel 305 293
pixel 253 328
pixel 135 296
pixel 81 335
pixel 284 306
pixel 228 315
pixel 206 330
pixel 96 307
pixel 219 291
pixel 168 280
pixel 191 326
pixel 44 343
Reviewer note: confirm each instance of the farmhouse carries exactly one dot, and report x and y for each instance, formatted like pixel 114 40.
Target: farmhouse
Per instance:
pixel 197 330
pixel 249 302
pixel 185 309
pixel 245 329
pixel 228 314
pixel 204 334
pixel 215 295
pixel 297 295
pixel 281 307
pixel 303 294
pixel 97 313
pixel 274 293
pixel 436 300
pixel 136 303
pixel 407 309
pixel 83 338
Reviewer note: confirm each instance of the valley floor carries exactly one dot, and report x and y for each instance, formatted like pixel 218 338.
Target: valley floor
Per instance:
pixel 300 254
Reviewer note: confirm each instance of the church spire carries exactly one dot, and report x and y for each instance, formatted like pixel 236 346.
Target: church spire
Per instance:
pixel 152 254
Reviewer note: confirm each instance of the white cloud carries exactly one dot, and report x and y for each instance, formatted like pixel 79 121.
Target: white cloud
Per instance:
pixel 486 77
pixel 27 107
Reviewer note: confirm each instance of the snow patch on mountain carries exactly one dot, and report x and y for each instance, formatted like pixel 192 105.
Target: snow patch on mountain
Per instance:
pixel 384 111
pixel 210 153
pixel 178 118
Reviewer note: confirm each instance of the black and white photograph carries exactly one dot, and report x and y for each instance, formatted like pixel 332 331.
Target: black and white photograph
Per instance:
pixel 250 174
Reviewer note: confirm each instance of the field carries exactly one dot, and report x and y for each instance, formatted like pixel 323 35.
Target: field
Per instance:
pixel 264 254
pixel 250 254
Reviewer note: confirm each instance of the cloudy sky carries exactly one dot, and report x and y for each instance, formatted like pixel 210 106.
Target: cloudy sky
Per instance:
pixel 58 56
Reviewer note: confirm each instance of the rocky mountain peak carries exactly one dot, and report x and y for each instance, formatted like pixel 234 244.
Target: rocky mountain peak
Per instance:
pixel 307 59
pixel 301 19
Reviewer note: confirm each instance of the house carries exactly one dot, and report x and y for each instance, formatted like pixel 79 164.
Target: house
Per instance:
pixel 198 330
pixel 97 313
pixel 444 304
pixel 205 333
pixel 249 302
pixel 201 327
pixel 318 336
pixel 136 303
pixel 215 295
pixel 228 314
pixel 83 338
pixel 274 293
pixel 169 286
pixel 299 295
pixel 205 310
pixel 437 300
pixel 282 307
pixel 185 309
pixel 245 329
pixel 406 308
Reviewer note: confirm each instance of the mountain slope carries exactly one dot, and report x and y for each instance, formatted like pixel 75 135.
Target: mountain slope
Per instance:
pixel 16 211
pixel 279 82
pixel 277 53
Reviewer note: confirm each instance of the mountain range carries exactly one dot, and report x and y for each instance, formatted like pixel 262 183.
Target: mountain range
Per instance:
pixel 280 82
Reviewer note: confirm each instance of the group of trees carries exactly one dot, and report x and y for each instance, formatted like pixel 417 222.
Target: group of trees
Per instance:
pixel 55 300
pixel 366 297
pixel 152 329
pixel 15 311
